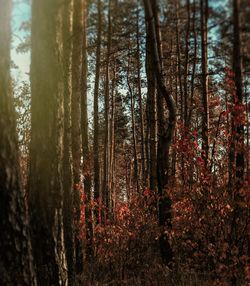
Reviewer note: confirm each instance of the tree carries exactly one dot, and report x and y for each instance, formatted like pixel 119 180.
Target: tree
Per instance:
pixel 105 184
pixel 45 181
pixel 205 101
pixel 96 111
pixel 77 50
pixel 16 263
pixel 68 203
pixel 166 133
pixel 85 141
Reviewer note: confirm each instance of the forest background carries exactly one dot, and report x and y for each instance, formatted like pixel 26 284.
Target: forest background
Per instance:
pixel 124 142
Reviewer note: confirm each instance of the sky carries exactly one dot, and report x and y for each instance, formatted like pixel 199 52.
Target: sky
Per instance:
pixel 21 12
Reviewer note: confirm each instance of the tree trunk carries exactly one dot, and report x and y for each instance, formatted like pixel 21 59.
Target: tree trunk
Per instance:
pixel 205 99
pixel 106 107
pixel 45 181
pixel 76 123
pixel 96 115
pixel 142 137
pixel 166 133
pixel 112 142
pixel 16 263
pixel 68 215
pixel 135 173
pixel 238 98
pixel 151 115
pixel 85 143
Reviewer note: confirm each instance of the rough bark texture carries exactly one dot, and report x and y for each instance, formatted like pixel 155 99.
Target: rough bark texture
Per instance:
pixel 45 182
pixel 76 122
pixel 67 154
pixel 16 265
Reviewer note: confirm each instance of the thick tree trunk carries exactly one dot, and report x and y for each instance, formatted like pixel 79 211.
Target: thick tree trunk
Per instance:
pixel 45 181
pixel 16 263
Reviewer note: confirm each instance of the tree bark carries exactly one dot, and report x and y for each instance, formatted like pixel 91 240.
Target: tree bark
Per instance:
pixel 105 184
pixel 45 181
pixel 85 143
pixel 96 115
pixel 166 132
pixel 76 123
pixel 151 115
pixel 142 136
pixel 68 207
pixel 16 263
pixel 205 99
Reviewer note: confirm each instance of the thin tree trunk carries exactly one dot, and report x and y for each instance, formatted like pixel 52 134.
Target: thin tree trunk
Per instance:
pixel 85 142
pixel 96 116
pixel 178 51
pixel 135 175
pixel 186 65
pixel 76 123
pixel 193 66
pixel 112 141
pixel 238 139
pixel 205 99
pixel 151 115
pixel 238 99
pixel 67 154
pixel 142 137
pixel 106 107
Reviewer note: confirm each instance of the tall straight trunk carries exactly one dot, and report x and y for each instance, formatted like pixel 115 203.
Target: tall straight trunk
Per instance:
pixel 112 142
pixel 193 65
pixel 76 122
pixel 106 107
pixel 166 132
pixel 186 65
pixel 238 98
pixel 45 181
pixel 237 147
pixel 96 115
pixel 151 116
pixel 68 218
pixel 85 141
pixel 16 263
pixel 178 52
pixel 135 175
pixel 142 137
pixel 204 64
